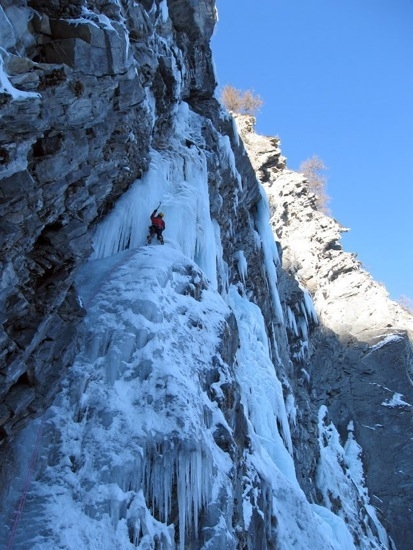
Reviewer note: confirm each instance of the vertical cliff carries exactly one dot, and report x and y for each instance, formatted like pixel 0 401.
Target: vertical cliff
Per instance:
pixel 192 394
pixel 360 360
pixel 86 89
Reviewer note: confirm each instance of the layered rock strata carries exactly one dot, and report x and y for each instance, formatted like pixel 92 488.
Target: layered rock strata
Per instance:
pixel 75 133
pixel 360 359
pixel 88 89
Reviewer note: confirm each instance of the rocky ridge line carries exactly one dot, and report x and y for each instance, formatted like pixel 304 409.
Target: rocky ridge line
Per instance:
pixel 360 360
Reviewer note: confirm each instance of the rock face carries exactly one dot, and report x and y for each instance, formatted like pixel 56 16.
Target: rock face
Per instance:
pixel 75 133
pixel 360 359
pixel 89 90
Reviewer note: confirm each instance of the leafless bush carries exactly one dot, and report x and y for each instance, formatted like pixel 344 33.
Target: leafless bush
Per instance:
pixel 251 103
pixel 312 169
pixel 52 78
pixel 239 101
pixel 231 98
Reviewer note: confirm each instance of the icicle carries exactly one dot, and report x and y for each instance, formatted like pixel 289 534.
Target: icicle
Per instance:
pixel 163 10
pixel 291 322
pixel 304 328
pixel 242 264
pixel 179 180
pixel 228 155
pixel 271 256
pixel 222 266
pixel 309 305
pixel 190 468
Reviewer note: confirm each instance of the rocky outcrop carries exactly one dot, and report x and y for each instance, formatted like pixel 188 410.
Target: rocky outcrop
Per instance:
pixel 88 90
pixel 360 359
pixel 75 133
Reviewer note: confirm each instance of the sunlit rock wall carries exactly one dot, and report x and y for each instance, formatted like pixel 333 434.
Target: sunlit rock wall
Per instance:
pixel 89 90
pixel 360 360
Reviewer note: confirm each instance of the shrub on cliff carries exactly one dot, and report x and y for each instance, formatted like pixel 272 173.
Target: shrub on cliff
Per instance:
pixel 239 101
pixel 313 169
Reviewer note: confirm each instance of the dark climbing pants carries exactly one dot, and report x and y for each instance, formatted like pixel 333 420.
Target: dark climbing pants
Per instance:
pixel 155 230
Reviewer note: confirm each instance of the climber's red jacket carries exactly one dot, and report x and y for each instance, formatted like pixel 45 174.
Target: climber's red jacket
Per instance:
pixel 157 221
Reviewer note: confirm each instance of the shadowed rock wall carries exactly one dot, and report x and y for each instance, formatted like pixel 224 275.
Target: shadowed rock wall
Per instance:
pixel 76 128
pixel 89 87
pixel 360 358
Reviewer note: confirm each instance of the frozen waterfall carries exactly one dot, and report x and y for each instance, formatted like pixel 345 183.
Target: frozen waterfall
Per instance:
pixel 155 439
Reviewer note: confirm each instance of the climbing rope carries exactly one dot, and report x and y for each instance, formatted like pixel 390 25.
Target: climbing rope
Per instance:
pixel 18 512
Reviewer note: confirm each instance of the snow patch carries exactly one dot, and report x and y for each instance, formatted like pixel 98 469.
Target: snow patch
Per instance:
pixel 6 86
pixel 340 480
pixel 396 401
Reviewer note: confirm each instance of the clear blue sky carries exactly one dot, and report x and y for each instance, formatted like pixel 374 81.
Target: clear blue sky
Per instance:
pixel 336 78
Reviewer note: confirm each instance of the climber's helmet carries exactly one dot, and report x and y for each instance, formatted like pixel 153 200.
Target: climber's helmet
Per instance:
pixel 161 215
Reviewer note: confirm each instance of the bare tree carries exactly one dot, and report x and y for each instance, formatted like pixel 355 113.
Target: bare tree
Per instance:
pixel 231 98
pixel 251 103
pixel 312 169
pixel 239 101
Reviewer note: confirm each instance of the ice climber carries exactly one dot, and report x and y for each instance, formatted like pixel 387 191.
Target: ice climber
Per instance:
pixel 157 226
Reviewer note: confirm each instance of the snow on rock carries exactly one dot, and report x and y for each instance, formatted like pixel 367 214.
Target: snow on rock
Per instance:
pixel 265 407
pixel 138 448
pixel 353 342
pixel 341 481
pixel 178 181
pixel 7 88
pixel 132 431
pixel 396 401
